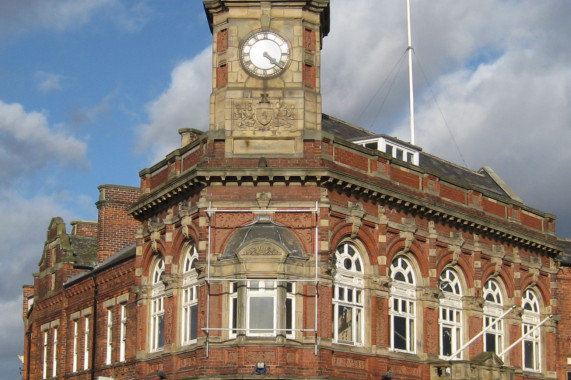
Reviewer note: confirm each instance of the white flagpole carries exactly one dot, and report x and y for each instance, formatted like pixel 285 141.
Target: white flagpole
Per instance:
pixel 410 81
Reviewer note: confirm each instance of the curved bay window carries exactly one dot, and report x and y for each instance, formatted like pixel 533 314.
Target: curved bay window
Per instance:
pixel 493 309
pixel 348 297
pixel 450 314
pixel 189 297
pixel 268 308
pixel 157 332
pixel 402 306
pixel 531 343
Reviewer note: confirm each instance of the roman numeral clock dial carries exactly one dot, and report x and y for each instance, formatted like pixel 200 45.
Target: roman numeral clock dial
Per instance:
pixel 265 54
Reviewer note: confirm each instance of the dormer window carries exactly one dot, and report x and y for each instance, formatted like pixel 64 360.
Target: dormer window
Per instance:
pixel 398 150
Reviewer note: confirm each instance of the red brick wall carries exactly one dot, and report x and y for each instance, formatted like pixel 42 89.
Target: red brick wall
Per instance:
pixel 116 228
pixel 564 325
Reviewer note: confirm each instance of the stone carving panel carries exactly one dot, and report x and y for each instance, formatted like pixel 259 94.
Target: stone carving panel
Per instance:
pixel 269 116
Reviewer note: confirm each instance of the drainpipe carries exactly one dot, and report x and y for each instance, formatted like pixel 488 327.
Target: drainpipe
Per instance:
pixel 94 329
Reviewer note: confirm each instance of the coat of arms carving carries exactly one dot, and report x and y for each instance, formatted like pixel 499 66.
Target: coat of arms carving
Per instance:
pixel 264 116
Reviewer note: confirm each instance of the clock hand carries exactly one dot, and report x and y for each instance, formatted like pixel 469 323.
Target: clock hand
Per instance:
pixel 273 60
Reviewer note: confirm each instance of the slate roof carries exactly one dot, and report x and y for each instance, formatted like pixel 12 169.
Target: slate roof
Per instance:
pixel 124 254
pixel 565 255
pixel 442 168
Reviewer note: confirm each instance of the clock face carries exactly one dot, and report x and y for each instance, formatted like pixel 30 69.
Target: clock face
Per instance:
pixel 265 54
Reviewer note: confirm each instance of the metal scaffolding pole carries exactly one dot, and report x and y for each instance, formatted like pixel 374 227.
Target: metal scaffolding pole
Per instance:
pixel 210 212
pixel 451 357
pixel 525 336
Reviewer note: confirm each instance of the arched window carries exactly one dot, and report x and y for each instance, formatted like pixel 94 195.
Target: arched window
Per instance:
pixel 402 305
pixel 530 319
pixel 348 298
pixel 189 297
pixel 493 309
pixel 450 316
pixel 157 307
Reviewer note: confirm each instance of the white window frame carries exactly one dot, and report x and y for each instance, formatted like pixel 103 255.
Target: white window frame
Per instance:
pixel 493 309
pixel 233 308
pixel 450 316
pixel 281 292
pixel 531 318
pixel 109 341
pixel 396 150
pixel 348 296
pixel 290 299
pixel 255 290
pixel 189 312
pixel 54 353
pixel 157 328
pixel 45 356
pixel 402 304
pixel 123 333
pixel 86 344
pixel 75 345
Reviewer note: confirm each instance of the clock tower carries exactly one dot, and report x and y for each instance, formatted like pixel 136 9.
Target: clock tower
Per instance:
pixel 266 59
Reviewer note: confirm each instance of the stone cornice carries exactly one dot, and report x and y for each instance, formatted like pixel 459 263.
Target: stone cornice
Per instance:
pixel 379 191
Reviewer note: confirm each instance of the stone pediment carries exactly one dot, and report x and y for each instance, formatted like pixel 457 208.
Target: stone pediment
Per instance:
pixel 489 359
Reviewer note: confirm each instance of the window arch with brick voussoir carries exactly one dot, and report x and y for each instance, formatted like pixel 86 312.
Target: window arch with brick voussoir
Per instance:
pixel 157 306
pixel 531 346
pixel 189 294
pixel 402 305
pixel 450 316
pixel 493 309
pixel 348 295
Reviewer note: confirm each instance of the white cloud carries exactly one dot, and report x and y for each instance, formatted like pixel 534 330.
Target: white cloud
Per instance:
pixel 28 143
pixel 48 82
pixel 183 105
pixel 23 238
pixel 499 75
pixel 62 15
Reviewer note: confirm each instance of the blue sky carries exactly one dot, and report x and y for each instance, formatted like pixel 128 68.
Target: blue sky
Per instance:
pixel 93 91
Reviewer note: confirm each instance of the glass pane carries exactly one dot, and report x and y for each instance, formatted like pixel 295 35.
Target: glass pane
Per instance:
pixel 161 331
pixel 399 333
pixel 446 341
pixel 389 149
pixel 490 342
pixel 528 354
pixel 289 315
pixel 234 314
pixel 261 313
pixel 344 329
pixel 193 321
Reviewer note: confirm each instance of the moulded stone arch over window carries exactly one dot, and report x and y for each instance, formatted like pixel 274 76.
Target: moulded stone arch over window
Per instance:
pixel 402 305
pixel 450 316
pixel 531 345
pixel 157 307
pixel 348 295
pixel 189 294
pixel 493 309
